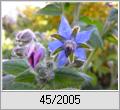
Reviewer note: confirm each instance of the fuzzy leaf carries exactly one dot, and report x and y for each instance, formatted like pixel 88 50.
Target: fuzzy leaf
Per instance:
pixel 51 9
pixel 96 40
pixel 67 78
pixel 71 57
pixel 7 80
pixel 26 76
pixel 57 36
pixel 21 86
pixel 14 66
pixel 75 30
pixel 84 45
pixel 57 50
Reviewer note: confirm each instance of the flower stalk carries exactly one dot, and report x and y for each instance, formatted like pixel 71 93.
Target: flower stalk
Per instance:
pixel 76 14
pixel 85 65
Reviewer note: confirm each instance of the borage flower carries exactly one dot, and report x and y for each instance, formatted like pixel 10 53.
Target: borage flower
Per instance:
pixel 68 42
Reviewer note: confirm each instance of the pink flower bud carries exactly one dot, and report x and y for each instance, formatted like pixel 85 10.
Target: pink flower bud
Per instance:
pixel 35 53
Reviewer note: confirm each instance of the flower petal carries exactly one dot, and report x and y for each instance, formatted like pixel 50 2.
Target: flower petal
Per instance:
pixel 30 49
pixel 80 53
pixel 31 60
pixel 61 59
pixel 35 53
pixel 83 36
pixel 39 54
pixel 64 28
pixel 54 45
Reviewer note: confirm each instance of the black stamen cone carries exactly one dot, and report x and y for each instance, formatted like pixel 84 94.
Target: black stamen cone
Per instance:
pixel 68 51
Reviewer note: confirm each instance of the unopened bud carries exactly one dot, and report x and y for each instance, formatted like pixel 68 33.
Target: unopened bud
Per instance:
pixel 50 65
pixel 44 74
pixel 19 51
pixel 35 53
pixel 25 36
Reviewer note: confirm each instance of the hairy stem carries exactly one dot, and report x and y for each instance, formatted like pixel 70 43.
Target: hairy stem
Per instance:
pixel 76 14
pixel 62 6
pixel 85 65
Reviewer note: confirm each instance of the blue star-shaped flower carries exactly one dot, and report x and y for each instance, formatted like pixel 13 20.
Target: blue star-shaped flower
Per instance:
pixel 68 43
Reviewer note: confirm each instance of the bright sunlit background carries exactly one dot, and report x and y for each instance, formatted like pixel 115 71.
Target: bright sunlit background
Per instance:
pixel 12 8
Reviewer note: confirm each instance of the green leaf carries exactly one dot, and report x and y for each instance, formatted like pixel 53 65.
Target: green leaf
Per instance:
pixel 21 86
pixel 85 77
pixel 51 9
pixel 7 80
pixel 73 72
pixel 63 81
pixel 71 57
pixel 104 70
pixel 67 78
pixel 98 24
pixel 94 78
pixel 112 56
pixel 75 30
pixel 26 76
pixel 91 85
pixel 14 66
pixel 57 50
pixel 86 19
pixel 96 40
pixel 84 45
pixel 94 22
pixel 112 39
pixel 57 36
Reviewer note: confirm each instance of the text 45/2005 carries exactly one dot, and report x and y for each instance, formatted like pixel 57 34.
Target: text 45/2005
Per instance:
pixel 60 99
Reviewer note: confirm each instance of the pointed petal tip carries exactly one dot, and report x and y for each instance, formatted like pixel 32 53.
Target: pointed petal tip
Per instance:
pixel 64 28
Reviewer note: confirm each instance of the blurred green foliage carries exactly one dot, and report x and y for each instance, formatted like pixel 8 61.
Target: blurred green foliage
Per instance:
pixel 102 67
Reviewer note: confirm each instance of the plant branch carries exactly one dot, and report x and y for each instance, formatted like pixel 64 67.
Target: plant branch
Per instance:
pixel 62 6
pixel 88 60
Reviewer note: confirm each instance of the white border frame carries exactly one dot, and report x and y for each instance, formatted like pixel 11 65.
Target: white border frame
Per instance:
pixel 59 90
